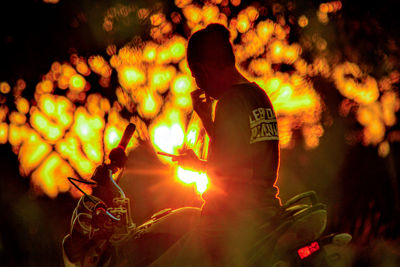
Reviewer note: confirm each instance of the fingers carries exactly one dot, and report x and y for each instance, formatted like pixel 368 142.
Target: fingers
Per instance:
pixel 196 93
pixel 181 159
pixel 188 159
pixel 208 98
pixel 201 103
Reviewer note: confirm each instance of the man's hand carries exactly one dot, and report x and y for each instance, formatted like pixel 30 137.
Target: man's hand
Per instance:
pixel 188 159
pixel 203 108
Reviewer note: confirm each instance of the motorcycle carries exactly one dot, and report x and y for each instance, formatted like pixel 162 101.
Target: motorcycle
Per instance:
pixel 103 233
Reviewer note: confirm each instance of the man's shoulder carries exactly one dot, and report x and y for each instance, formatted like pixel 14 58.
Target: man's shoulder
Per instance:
pixel 248 94
pixel 243 90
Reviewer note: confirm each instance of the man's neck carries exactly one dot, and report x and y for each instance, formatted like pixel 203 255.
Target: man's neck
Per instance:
pixel 231 77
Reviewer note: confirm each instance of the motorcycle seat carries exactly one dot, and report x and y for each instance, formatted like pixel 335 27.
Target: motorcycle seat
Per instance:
pixel 307 221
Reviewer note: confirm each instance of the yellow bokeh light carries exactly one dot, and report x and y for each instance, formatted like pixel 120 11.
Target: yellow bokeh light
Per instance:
pixel 384 149
pixel 17 134
pixel 77 83
pixel 3 113
pixel 243 23
pixel 365 92
pixel 177 48
pixel 150 52
pixel 3 132
pixel 264 30
pixel 182 85
pixel 46 86
pixel 100 66
pixel 150 105
pixel 33 151
pixel 157 19
pixel 184 102
pixel 22 105
pixel 322 17
pixel 236 2
pixel 83 68
pixel 303 21
pixel 192 13
pixel 160 78
pixel 277 50
pixel 164 55
pixel 17 118
pixel 5 87
pixel 70 149
pixel 115 61
pixel 182 3
pixel 260 67
pixel 52 175
pixel 389 108
pixel 210 14
pixel 45 127
pixel 130 77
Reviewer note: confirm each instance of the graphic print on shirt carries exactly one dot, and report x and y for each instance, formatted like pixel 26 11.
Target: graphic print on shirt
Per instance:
pixel 263 125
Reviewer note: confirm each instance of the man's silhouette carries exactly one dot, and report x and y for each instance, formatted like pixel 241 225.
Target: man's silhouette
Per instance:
pixel 243 159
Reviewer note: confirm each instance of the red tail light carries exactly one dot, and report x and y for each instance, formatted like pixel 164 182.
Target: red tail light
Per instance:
pixel 306 251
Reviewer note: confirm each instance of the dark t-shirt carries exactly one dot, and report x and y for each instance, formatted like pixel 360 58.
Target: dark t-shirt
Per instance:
pixel 244 152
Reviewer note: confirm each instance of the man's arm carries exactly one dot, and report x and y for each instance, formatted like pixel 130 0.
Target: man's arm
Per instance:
pixel 188 159
pixel 203 108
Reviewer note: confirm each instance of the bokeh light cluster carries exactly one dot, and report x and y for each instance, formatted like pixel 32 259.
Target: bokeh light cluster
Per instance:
pixel 69 126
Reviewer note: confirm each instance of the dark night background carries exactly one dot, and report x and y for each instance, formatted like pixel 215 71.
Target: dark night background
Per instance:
pixel 352 179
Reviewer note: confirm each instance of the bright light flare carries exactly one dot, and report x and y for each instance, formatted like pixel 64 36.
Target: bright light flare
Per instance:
pixel 168 139
pixel 190 177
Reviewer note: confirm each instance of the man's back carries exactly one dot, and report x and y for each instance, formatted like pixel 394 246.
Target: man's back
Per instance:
pixel 244 153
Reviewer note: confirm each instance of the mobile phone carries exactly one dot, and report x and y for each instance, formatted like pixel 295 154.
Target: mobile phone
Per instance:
pixel 166 154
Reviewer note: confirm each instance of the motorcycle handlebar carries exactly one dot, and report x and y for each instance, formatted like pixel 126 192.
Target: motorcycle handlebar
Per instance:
pixel 126 137
pixel 117 154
